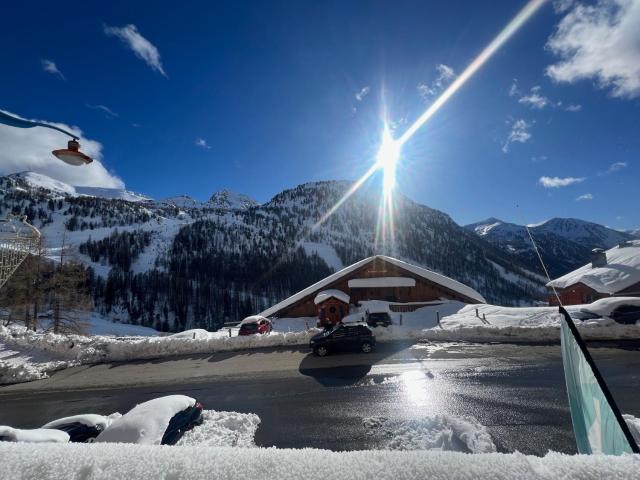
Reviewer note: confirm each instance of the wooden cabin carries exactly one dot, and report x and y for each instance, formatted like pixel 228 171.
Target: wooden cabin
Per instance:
pixel 376 278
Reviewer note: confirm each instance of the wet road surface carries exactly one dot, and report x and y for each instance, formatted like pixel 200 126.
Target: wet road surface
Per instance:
pixel 516 391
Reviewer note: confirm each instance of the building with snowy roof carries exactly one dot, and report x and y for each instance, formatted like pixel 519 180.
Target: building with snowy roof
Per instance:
pixel 375 278
pixel 615 272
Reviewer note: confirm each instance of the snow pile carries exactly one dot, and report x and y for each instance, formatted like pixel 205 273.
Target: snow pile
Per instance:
pixel 440 432
pixel 146 422
pixel 223 429
pixel 634 426
pixel 137 462
pixel 36 435
pixel 88 419
pixel 26 355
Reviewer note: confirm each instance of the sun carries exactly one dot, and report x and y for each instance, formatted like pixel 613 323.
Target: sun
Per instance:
pixel 387 160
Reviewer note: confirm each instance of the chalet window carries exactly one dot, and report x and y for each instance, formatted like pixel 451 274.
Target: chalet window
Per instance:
pixel 332 309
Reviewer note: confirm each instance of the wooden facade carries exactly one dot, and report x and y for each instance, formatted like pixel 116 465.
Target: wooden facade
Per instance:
pixel 423 291
pixel 580 293
pixel 332 311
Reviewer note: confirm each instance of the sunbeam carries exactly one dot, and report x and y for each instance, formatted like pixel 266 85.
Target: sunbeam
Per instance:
pixel 389 152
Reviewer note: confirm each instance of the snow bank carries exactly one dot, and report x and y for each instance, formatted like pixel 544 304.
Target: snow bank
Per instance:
pixel 634 426
pixel 137 462
pixel 36 435
pixel 331 293
pixel 440 432
pixel 26 355
pixel 223 429
pixel 146 423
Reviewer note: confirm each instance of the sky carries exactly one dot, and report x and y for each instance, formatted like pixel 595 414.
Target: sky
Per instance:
pixel 257 97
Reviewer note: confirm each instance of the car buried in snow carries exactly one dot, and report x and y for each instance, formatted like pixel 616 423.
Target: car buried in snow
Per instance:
pixel 343 337
pixel 255 324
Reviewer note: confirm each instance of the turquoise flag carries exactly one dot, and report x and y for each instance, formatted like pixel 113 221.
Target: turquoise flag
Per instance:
pixel 597 422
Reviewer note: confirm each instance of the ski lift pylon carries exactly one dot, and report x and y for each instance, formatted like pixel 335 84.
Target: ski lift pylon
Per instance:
pixel 18 238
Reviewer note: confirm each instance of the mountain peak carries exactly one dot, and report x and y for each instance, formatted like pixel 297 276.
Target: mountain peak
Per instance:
pixel 229 200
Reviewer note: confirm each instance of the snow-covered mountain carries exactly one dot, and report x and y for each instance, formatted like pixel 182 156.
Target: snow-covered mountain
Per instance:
pixel 565 243
pixel 228 200
pixel 180 263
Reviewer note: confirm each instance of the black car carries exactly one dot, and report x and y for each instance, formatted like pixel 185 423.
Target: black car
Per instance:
pixel 378 319
pixel 342 337
pixel 182 422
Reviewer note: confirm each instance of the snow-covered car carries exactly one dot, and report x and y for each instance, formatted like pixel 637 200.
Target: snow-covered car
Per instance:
pixel 82 428
pixel 161 421
pixel 625 310
pixel 378 319
pixel 255 324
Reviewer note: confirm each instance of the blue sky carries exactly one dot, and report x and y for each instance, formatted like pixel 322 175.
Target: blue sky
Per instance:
pixel 261 96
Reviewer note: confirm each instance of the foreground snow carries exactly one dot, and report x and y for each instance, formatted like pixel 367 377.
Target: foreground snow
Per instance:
pixel 26 355
pixel 135 462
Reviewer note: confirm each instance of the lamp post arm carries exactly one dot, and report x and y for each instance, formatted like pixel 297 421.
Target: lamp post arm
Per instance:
pixel 22 123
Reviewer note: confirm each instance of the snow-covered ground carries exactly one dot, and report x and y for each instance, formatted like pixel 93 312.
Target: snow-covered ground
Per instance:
pixel 26 356
pixel 223 429
pixel 439 432
pixel 136 462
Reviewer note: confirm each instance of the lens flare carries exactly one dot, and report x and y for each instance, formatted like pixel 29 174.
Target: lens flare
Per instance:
pixel 387 160
pixel 389 153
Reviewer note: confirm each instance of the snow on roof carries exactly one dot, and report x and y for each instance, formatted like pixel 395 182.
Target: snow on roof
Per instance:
pixel 377 282
pixel 447 282
pixel 333 293
pixel 621 271
pixel 146 422
pixel 36 435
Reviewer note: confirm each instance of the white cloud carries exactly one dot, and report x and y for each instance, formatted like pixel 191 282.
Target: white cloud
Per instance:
pixel 142 47
pixel 616 167
pixel 202 143
pixel 364 91
pixel 586 196
pixel 561 6
pixel 574 107
pixel 514 91
pixel 599 42
pixel 534 99
pixel 108 112
pixel 50 66
pixel 445 76
pixel 30 149
pixel 557 182
pixel 519 133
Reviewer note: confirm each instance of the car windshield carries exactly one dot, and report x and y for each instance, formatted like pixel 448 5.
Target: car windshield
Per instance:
pixel 351 229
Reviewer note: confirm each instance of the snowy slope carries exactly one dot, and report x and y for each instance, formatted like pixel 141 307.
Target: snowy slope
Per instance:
pixel 37 180
pixel 228 200
pixel 113 193
pixel 565 243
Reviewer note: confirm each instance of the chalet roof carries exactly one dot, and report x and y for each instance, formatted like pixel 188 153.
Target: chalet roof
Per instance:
pixel 333 293
pixel 434 277
pixel 621 271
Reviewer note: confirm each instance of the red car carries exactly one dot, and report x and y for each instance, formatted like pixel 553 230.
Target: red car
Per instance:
pixel 255 324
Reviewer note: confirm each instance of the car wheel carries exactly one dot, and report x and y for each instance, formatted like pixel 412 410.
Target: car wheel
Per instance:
pixel 321 351
pixel 366 347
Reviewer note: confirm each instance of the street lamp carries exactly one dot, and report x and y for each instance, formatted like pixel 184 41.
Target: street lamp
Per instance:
pixel 70 155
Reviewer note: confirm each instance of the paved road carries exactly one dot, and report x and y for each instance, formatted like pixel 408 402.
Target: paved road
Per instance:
pixel 516 391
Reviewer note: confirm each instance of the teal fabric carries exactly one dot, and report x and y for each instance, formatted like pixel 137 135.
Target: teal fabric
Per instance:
pixel 595 426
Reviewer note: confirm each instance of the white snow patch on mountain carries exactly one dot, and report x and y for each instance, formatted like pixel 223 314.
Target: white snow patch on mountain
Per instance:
pixel 325 252
pixel 112 193
pixel 39 180
pixel 228 200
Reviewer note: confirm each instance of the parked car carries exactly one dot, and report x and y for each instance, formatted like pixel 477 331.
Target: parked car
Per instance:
pixel 162 420
pixel 378 319
pixel 354 337
pixel 255 324
pixel 625 310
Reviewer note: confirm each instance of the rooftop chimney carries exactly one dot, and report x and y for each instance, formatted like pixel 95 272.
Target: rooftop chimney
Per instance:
pixel 598 258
